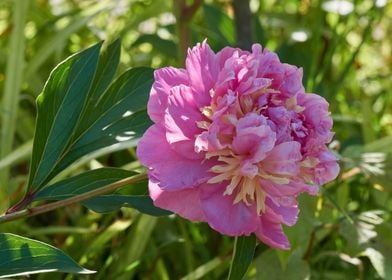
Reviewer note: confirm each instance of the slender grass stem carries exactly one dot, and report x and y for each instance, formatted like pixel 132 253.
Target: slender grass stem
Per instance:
pixel 12 85
pixel 190 262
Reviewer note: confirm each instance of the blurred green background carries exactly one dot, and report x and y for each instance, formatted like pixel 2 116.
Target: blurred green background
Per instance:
pixel 345 49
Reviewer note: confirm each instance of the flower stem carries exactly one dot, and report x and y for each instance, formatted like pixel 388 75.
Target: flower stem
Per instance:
pixel 184 13
pixel 29 212
pixel 243 24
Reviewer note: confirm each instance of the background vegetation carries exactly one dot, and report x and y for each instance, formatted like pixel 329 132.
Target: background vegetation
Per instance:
pixel 345 49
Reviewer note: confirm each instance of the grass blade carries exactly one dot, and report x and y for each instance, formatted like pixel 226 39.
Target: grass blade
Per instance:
pixel 14 75
pixel 244 248
pixel 24 256
pixel 21 153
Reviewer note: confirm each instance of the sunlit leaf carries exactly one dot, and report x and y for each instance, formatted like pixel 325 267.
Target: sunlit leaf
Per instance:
pixel 134 248
pixel 120 115
pixel 204 269
pixel 23 256
pixel 59 108
pixel 377 260
pixel 106 69
pixel 80 111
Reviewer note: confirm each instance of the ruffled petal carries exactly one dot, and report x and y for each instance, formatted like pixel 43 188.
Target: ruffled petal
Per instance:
pixel 253 137
pixel 328 169
pixel 181 119
pixel 292 81
pixel 283 159
pixel 224 216
pixel 291 189
pixel 283 210
pixel 173 171
pixel 316 115
pixel 272 234
pixel 271 67
pixel 227 53
pixel 165 79
pixel 203 71
pixel 185 203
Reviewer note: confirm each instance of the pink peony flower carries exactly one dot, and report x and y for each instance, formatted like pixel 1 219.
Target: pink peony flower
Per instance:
pixel 235 140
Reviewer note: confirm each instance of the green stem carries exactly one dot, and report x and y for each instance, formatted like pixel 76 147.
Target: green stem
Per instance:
pixel 184 13
pixel 243 24
pixel 188 247
pixel 233 256
pixel 12 85
pixel 29 212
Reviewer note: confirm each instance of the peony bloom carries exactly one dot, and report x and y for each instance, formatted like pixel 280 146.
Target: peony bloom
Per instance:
pixel 235 140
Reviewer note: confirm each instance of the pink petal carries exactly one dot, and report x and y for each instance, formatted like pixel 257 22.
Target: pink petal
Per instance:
pixel 203 72
pixel 316 112
pixel 181 119
pixel 224 216
pixel 271 67
pixel 283 159
pixel 328 169
pixel 185 203
pixel 291 83
pixel 253 138
pixel 173 171
pixel 165 79
pixel 278 212
pixel 228 52
pixel 272 234
pixel 291 189
pixel 255 85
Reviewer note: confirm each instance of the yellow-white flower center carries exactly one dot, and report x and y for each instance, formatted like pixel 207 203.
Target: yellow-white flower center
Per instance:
pixel 247 188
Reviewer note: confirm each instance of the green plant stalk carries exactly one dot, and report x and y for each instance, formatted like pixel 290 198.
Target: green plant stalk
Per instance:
pixel 134 248
pixel 29 212
pixel 366 33
pixel 190 262
pixel 206 268
pixel 18 155
pixel 317 35
pixel 233 256
pixel 369 132
pixel 12 85
pixel 184 13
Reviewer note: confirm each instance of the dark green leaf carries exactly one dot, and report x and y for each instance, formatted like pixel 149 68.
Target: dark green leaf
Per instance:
pixel 296 54
pixel 99 115
pixel 220 24
pixel 23 256
pixel 82 183
pixel 113 202
pixel 120 115
pixel 259 33
pixel 95 179
pixel 106 69
pixel 244 249
pixel 60 106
